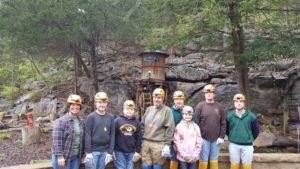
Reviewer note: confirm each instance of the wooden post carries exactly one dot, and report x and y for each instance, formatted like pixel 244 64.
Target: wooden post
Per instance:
pixel 285 121
pixel 31 135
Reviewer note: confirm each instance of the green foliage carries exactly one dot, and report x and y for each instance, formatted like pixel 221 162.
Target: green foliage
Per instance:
pixel 45 130
pixel 2 157
pixel 18 141
pixel 4 134
pixel 36 96
pixel 11 92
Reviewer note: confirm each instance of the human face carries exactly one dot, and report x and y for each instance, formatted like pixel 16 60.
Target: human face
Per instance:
pixel 179 103
pixel 74 109
pixel 187 116
pixel 101 106
pixel 157 101
pixel 239 105
pixel 129 113
pixel 209 97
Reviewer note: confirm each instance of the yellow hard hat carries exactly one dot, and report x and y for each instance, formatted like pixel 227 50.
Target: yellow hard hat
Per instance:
pixel 209 88
pixel 74 98
pixel 159 92
pixel 101 97
pixel 239 96
pixel 178 95
pixel 129 104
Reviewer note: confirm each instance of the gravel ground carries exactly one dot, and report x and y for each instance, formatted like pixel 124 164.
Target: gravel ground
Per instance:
pixel 12 152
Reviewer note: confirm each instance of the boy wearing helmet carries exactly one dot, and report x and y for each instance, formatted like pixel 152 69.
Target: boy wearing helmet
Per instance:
pixel 158 132
pixel 99 134
pixel 242 130
pixel 68 136
pixel 178 98
pixel 212 122
pixel 128 137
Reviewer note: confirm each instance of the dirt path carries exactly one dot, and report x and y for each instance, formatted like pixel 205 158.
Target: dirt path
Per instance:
pixel 12 152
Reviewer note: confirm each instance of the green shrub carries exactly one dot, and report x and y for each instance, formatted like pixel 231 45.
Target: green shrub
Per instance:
pixel 11 92
pixel 4 134
pixel 2 157
pixel 36 96
pixel 45 130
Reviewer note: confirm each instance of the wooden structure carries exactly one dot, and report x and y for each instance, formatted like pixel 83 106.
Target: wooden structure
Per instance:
pixel 153 76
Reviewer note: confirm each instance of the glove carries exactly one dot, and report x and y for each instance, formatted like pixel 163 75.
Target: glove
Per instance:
pixel 190 159
pixel 136 157
pixel 220 141
pixel 166 151
pixel 108 158
pixel 88 161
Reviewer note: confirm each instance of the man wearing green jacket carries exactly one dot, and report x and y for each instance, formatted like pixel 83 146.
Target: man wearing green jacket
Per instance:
pixel 242 130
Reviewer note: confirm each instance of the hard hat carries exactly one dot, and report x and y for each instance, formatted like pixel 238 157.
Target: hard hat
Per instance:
pixel 209 88
pixel 159 92
pixel 239 96
pixel 74 98
pixel 188 110
pixel 178 95
pixel 129 104
pixel 101 97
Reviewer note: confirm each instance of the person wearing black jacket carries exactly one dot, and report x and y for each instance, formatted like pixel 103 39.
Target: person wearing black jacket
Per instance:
pixel 128 137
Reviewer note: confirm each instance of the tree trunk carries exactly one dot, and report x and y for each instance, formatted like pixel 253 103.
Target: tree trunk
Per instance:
pixel 238 48
pixel 31 135
pixel 94 65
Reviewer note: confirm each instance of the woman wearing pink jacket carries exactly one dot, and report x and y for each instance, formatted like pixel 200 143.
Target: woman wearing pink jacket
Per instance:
pixel 187 140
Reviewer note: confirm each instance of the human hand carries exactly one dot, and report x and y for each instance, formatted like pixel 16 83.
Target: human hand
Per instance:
pixel 220 141
pixel 166 151
pixel 136 157
pixel 88 160
pixel 61 162
pixel 108 158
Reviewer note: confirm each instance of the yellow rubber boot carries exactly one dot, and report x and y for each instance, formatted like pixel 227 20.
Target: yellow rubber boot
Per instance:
pixel 247 166
pixel 203 165
pixel 173 164
pixel 234 166
pixel 214 164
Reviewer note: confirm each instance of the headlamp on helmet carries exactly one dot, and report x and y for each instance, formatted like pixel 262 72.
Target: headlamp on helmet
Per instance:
pixel 159 92
pixel 239 96
pixel 74 99
pixel 101 97
pixel 209 88
pixel 178 95
pixel 129 104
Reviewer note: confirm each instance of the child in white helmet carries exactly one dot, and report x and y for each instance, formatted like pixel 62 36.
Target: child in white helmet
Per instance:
pixel 187 140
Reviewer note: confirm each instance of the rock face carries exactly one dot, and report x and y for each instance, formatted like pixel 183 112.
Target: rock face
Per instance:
pixel 273 86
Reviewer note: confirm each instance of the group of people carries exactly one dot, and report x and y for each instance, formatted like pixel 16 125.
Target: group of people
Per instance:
pixel 179 133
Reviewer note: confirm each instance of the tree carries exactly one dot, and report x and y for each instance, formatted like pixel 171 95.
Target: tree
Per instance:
pixel 176 23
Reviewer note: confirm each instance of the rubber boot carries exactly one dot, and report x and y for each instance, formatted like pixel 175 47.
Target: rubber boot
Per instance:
pixel 214 164
pixel 146 167
pixel 157 166
pixel 203 165
pixel 247 166
pixel 173 164
pixel 234 166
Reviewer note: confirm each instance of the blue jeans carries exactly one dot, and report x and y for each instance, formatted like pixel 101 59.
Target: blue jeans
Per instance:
pixel 74 163
pixel 173 153
pixel 98 160
pixel 185 165
pixel 210 151
pixel 124 160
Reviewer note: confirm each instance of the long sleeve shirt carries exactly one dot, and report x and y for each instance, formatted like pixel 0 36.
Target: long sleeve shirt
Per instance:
pixel 100 133
pixel 158 124
pixel 212 120
pixel 187 140
pixel 128 135
pixel 63 137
